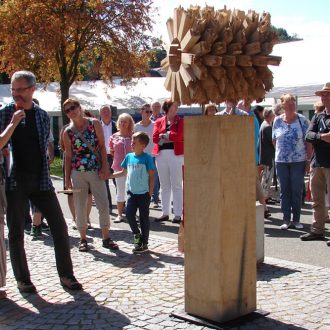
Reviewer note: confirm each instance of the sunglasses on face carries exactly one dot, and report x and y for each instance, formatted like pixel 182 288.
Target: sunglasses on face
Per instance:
pixel 148 111
pixel 67 110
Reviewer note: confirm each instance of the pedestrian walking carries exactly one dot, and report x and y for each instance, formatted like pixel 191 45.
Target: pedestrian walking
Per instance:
pixel 139 168
pixel 86 168
pixel 291 154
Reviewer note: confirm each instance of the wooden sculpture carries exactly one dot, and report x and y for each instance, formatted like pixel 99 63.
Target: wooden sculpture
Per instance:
pixel 216 55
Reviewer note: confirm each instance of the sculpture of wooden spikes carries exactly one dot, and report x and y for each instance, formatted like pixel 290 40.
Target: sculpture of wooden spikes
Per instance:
pixel 217 55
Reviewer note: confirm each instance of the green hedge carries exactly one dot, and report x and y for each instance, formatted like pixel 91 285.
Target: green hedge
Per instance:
pixel 56 167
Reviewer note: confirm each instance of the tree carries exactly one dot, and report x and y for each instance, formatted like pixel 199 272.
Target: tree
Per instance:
pixel 52 38
pixel 283 35
pixel 157 53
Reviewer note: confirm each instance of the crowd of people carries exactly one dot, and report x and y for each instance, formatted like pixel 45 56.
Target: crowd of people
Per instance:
pixel 288 148
pixel 145 161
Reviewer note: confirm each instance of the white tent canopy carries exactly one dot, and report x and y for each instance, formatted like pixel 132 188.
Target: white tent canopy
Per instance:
pixel 92 95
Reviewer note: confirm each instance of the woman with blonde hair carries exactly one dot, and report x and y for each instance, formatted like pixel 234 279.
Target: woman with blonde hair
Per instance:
pixel 120 145
pixel 86 168
pixel 292 156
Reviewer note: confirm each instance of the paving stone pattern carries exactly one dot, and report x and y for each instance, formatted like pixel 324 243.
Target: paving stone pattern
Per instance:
pixel 126 291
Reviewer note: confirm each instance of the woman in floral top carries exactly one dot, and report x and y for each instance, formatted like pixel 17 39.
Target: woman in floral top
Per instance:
pixel 292 154
pixel 120 145
pixel 86 168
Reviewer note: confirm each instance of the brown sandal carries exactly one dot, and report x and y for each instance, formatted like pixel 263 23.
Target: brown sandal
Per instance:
pixel 70 282
pixel 110 244
pixel 83 246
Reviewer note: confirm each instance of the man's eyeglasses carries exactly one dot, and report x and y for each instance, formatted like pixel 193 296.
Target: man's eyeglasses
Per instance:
pixel 67 110
pixel 19 90
pixel 148 111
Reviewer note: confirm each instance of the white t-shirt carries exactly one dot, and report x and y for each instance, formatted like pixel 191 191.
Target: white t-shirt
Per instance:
pixel 146 129
pixel 107 132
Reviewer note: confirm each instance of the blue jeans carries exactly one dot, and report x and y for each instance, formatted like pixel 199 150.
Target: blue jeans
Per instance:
pixel 141 202
pixel 155 195
pixel 291 177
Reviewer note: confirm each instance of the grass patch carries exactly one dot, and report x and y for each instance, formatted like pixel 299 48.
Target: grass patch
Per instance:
pixel 56 167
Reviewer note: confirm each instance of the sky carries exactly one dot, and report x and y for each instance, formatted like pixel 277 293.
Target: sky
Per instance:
pixel 304 17
pixel 303 62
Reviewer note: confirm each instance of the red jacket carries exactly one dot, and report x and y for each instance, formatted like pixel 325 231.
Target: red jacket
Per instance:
pixel 175 136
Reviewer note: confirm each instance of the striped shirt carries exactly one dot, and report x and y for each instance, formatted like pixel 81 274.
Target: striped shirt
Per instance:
pixel 43 128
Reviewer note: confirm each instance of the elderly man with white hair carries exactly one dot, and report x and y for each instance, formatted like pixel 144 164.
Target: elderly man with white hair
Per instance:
pixel 109 128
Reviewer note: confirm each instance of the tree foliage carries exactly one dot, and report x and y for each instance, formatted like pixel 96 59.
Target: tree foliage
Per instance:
pixel 52 38
pixel 283 35
pixel 158 53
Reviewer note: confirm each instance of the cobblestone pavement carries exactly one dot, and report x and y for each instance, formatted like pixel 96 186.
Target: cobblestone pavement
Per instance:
pixel 126 291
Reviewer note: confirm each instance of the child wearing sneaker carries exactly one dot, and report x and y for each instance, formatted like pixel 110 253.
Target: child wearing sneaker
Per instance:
pixel 139 168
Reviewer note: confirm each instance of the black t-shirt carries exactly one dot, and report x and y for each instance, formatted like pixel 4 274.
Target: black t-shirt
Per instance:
pixel 167 145
pixel 320 124
pixel 266 147
pixel 26 148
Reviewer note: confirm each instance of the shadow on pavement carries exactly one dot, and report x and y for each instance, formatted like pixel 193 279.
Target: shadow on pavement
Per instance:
pixel 267 272
pixel 268 322
pixel 144 263
pixel 82 312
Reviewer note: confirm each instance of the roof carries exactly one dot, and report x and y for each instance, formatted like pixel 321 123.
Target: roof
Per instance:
pixel 92 95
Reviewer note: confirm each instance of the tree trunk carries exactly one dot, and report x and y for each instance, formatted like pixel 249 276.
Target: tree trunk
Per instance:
pixel 65 87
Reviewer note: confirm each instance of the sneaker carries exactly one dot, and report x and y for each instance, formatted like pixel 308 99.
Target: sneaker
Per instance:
pixel 176 219
pixel 298 225
pixel 44 226
pixel 36 231
pixel 162 218
pixel 140 249
pixel 328 243
pixel 110 244
pixel 311 237
pixel 285 225
pixel 119 219
pixel 156 205
pixel 137 240
pixel 26 286
pixel 267 214
pixel 270 201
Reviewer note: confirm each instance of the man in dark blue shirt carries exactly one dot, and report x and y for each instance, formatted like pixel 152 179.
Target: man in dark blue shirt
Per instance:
pixel 28 179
